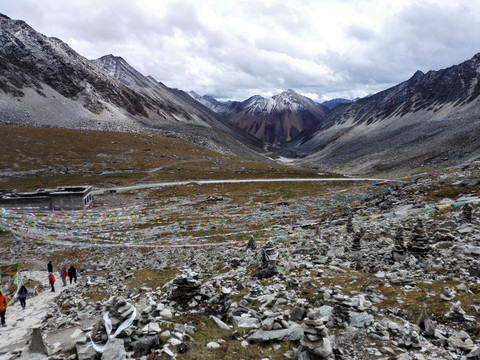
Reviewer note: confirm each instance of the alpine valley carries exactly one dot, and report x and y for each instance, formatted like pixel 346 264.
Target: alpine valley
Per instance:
pixel 202 229
pixel 430 119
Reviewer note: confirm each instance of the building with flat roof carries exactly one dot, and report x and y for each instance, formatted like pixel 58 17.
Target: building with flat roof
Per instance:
pixel 61 198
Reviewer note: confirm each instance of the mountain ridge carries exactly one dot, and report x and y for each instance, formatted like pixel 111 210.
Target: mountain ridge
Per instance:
pixel 431 118
pixel 47 83
pixel 273 120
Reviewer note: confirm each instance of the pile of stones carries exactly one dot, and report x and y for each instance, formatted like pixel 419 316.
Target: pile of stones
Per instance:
pixel 186 286
pixel 318 295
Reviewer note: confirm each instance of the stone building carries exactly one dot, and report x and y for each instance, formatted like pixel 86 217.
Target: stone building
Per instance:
pixel 61 198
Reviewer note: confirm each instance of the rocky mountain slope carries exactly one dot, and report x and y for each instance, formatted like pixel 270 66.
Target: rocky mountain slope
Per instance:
pixel 273 120
pixel 432 118
pixel 45 83
pixel 178 101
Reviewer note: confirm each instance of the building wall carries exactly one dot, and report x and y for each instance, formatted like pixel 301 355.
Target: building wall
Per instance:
pixel 27 203
pixel 52 201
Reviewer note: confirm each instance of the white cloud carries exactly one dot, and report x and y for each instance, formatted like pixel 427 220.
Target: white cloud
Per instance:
pixel 235 49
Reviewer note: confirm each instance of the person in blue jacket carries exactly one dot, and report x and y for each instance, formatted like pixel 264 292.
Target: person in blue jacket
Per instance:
pixel 22 296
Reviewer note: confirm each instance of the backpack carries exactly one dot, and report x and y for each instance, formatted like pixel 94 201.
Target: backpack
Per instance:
pixel 51 278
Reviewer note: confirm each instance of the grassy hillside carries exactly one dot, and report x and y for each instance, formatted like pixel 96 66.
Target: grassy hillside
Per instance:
pixel 47 157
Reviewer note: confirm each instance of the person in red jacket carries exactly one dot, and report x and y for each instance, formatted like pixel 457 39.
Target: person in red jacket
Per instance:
pixel 51 281
pixel 63 275
pixel 3 307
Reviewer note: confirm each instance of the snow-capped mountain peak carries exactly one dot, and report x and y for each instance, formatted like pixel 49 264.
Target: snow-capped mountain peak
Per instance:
pixel 273 119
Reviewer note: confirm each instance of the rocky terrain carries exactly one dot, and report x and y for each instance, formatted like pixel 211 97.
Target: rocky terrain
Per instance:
pixel 384 270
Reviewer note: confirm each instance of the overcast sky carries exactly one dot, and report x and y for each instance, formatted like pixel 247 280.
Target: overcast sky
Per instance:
pixel 233 49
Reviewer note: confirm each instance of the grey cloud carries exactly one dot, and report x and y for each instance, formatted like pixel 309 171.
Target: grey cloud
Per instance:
pixel 274 50
pixel 360 32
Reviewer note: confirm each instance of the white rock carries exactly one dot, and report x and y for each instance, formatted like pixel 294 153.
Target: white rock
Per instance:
pixel 213 345
pixel 220 323
pixel 174 341
pixel 152 328
pixel 166 313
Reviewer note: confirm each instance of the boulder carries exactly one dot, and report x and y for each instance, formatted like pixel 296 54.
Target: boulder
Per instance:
pixel 36 343
pixel 245 322
pixel 144 345
pixel 85 352
pixel 293 333
pixel 115 350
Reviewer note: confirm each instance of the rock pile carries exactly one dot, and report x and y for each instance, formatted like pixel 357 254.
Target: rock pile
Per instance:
pixel 310 296
pixel 186 286
pixel 419 244
pixel 399 252
pixel 315 343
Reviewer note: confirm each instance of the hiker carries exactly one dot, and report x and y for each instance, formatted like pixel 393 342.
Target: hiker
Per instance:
pixel 50 267
pixel 72 274
pixel 22 296
pixel 63 275
pixel 51 281
pixel 3 307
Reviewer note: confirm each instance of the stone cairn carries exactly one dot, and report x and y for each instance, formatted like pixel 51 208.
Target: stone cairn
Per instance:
pixel 251 245
pixel 315 343
pixel 372 263
pixel 474 268
pixel 418 244
pixel 448 294
pixel 458 314
pixel 399 252
pixel 269 265
pixel 341 309
pixel 349 226
pixel 411 339
pixel 356 247
pixel 467 213
pixel 269 252
pixel 186 285
pixel 357 237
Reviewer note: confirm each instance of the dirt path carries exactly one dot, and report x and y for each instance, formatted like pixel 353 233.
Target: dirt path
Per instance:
pixel 229 181
pixel 20 322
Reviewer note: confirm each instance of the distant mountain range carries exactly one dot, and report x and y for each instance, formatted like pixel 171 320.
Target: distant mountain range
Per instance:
pixel 432 119
pixel 273 120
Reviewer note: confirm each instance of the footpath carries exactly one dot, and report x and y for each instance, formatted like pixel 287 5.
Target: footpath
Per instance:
pixel 13 338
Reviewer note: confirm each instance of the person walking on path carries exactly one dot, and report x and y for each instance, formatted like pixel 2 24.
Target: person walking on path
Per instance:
pixel 51 281
pixel 3 307
pixel 22 296
pixel 63 275
pixel 50 267
pixel 72 274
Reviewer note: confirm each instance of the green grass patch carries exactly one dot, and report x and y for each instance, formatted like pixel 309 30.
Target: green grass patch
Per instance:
pixel 55 157
pixel 151 278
